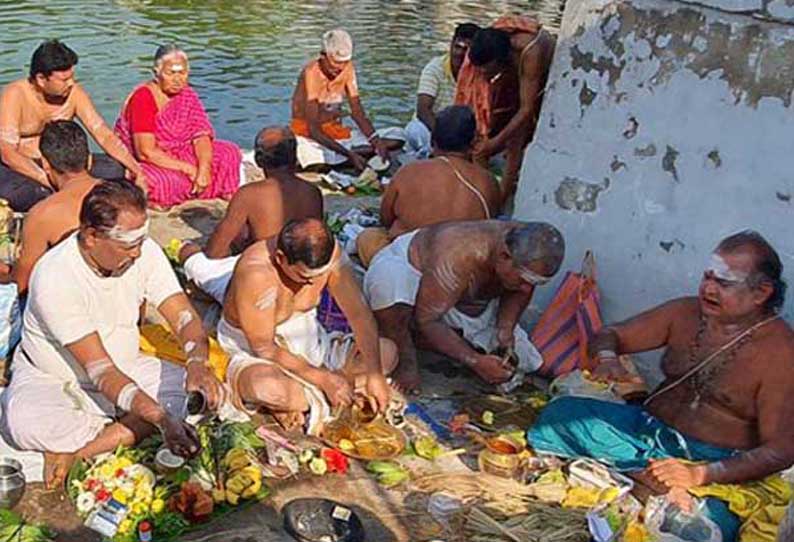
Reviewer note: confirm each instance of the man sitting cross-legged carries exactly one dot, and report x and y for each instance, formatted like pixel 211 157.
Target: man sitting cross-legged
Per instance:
pixel 283 359
pixel 411 200
pixel 257 211
pixel 723 413
pixel 475 277
pixel 79 385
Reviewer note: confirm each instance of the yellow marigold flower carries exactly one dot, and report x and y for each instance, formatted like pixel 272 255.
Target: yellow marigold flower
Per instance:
pixel 125 526
pixel 143 493
pixel 106 471
pixel 158 505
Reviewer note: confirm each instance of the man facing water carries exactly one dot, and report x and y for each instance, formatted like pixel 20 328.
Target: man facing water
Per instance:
pixel 503 81
pixel 468 190
pixel 257 211
pixel 49 93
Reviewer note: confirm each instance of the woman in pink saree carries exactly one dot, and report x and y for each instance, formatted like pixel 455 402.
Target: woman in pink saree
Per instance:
pixel 164 124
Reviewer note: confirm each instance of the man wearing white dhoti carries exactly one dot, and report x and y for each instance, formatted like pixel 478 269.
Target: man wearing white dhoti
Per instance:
pixel 282 359
pixel 475 278
pixel 79 385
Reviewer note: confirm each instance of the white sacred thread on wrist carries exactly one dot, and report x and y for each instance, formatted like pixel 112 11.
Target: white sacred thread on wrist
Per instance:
pixel 127 396
pixel 96 370
pixel 607 354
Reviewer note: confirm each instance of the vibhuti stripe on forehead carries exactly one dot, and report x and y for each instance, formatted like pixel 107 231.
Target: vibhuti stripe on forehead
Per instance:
pixel 720 269
pixel 128 236
pixel 320 270
pixel 532 277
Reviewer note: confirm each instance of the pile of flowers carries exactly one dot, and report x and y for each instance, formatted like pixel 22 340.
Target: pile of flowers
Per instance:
pixel 128 483
pixel 123 492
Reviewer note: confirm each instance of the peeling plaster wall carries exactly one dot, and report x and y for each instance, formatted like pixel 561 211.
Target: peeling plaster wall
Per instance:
pixel 666 125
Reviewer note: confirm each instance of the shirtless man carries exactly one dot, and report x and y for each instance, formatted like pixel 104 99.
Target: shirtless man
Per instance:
pixel 257 211
pixel 476 277
pixel 468 190
pixel 27 105
pixel 79 386
pixel 65 158
pixel 514 57
pixel 323 85
pixel 282 359
pixel 728 385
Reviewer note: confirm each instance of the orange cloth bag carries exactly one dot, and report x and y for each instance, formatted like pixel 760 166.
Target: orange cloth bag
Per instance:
pixel 569 323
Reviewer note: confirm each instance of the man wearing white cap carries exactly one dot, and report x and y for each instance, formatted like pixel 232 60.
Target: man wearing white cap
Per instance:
pixel 317 110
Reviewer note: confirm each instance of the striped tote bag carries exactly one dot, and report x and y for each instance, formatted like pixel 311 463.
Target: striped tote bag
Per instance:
pixel 569 323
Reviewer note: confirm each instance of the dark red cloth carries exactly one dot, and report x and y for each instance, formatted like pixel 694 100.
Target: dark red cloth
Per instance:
pixel 142 111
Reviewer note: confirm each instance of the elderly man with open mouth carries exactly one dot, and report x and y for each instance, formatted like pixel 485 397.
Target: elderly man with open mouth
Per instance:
pixel 723 413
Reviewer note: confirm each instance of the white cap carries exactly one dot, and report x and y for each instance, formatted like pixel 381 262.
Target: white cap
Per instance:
pixel 338 45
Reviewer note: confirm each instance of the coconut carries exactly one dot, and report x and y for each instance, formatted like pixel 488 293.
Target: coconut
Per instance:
pixel 166 460
pixel 378 164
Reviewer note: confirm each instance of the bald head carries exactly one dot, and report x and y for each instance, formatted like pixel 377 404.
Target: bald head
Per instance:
pixel 536 243
pixel 275 147
pixel 307 241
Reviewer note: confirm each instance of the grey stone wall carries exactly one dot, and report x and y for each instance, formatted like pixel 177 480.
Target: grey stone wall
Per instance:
pixel 666 126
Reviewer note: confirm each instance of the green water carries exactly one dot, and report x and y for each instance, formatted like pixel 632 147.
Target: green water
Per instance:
pixel 246 56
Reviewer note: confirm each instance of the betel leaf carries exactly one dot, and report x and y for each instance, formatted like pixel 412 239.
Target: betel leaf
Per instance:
pixel 76 473
pixel 14 528
pixel 7 517
pixel 169 525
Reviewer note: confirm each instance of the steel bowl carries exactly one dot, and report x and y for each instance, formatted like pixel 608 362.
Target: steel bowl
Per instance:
pixel 12 482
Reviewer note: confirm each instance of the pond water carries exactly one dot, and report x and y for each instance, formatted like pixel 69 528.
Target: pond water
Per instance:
pixel 246 55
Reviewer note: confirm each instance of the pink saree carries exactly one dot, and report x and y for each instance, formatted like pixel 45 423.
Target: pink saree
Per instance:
pixel 181 121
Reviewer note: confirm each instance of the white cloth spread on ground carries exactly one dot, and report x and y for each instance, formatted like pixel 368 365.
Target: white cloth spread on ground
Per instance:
pixel 303 336
pixel 51 404
pixel 211 275
pixel 391 279
pixel 311 153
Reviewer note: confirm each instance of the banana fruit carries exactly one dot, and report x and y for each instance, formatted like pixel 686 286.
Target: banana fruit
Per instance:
pixel 243 477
